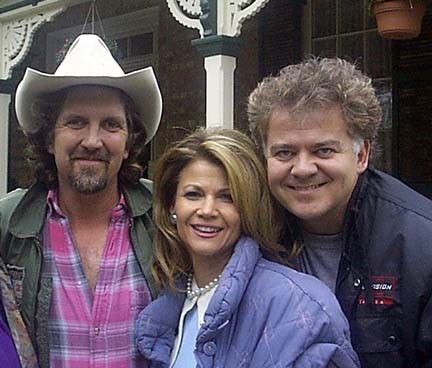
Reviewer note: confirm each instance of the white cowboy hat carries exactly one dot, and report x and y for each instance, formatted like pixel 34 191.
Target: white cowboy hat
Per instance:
pixel 89 61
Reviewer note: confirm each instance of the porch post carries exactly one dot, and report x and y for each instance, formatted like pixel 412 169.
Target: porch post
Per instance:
pixel 4 135
pixel 219 24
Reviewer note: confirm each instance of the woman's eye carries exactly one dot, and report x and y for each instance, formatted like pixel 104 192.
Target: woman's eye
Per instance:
pixel 192 194
pixel 226 197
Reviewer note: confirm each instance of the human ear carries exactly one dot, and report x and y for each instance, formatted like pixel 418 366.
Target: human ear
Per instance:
pixel 363 157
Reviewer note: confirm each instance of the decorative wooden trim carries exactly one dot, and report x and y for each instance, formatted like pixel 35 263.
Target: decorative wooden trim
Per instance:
pixel 228 15
pixel 187 13
pixel 17 28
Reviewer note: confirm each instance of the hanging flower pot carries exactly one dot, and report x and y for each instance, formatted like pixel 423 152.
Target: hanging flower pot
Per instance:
pixel 399 19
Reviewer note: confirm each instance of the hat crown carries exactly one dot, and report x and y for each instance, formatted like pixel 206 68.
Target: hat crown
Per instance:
pixel 89 61
pixel 88 56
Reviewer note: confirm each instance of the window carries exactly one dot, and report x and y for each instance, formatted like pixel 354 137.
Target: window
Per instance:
pixel 137 45
pixel 347 29
pixel 135 34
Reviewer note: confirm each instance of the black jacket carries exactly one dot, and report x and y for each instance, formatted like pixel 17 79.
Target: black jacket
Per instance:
pixel 384 282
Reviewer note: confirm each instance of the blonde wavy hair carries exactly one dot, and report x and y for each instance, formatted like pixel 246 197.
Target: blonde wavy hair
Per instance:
pixel 235 153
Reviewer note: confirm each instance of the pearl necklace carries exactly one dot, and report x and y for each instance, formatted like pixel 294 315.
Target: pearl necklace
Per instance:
pixel 199 291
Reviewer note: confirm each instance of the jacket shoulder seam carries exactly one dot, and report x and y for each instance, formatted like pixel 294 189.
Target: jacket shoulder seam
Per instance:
pixel 398 203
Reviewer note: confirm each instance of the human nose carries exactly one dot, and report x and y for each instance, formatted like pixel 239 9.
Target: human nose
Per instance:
pixel 304 166
pixel 92 139
pixel 208 207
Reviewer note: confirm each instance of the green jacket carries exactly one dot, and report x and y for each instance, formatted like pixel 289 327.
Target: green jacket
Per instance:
pixel 22 216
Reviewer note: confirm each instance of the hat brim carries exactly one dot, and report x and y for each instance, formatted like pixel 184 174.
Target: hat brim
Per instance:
pixel 140 85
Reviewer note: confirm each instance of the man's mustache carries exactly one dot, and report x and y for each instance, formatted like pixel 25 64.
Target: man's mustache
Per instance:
pixel 98 155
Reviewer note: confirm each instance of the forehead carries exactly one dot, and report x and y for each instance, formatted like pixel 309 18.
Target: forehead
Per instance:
pixel 94 96
pixel 317 124
pixel 202 170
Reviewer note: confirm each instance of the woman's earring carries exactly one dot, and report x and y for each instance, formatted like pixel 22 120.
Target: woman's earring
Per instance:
pixel 173 218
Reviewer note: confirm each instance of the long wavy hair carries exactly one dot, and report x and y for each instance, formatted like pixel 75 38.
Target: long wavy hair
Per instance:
pixel 235 153
pixel 45 112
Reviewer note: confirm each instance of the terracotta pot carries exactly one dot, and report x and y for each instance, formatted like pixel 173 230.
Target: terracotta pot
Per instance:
pixel 397 20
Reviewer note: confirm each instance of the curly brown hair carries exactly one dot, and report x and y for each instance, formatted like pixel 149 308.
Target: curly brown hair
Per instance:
pixel 45 111
pixel 313 84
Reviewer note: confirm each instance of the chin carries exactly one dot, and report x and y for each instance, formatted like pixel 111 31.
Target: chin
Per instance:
pixel 307 215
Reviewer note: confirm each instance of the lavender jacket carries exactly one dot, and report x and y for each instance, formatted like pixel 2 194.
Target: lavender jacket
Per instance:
pixel 262 315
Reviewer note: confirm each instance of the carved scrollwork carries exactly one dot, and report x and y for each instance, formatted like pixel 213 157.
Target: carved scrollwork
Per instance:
pixel 191 7
pixel 187 13
pixel 18 36
pixel 239 11
pixel 195 14
pixel 241 3
pixel 14 38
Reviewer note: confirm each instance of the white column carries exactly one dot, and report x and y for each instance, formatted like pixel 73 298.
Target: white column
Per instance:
pixel 220 91
pixel 219 23
pixel 4 135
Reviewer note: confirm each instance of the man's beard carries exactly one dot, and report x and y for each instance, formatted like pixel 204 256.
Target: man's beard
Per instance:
pixel 88 180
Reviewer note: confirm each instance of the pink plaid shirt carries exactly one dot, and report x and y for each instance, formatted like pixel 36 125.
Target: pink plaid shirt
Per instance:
pixel 87 331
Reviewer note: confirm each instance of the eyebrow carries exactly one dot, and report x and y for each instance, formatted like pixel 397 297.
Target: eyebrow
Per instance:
pixel 224 190
pixel 118 118
pixel 328 143
pixel 64 118
pixel 279 146
pixel 72 115
pixel 286 146
pixel 199 187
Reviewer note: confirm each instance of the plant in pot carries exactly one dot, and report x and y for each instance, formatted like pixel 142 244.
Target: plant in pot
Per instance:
pixel 398 19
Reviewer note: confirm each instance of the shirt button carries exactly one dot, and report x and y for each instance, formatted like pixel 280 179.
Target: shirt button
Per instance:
pixel 209 348
pixel 96 331
pixel 357 282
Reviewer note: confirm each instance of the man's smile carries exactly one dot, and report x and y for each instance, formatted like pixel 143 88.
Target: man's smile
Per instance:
pixel 303 188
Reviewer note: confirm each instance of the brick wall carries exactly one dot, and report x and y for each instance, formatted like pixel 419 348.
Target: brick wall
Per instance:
pixel 280 35
pixel 412 117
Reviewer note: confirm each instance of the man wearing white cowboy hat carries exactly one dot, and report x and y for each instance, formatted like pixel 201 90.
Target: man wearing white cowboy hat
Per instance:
pixel 77 243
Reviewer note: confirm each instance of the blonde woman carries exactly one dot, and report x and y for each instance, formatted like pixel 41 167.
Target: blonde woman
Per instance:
pixel 225 303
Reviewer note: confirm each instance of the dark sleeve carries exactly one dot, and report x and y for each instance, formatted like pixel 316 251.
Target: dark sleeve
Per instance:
pixel 424 341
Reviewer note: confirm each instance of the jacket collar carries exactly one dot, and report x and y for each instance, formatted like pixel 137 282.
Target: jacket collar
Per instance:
pixel 353 209
pixel 355 250
pixel 138 198
pixel 29 215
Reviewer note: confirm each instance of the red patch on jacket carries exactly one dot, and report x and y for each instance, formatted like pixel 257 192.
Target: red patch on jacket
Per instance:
pixel 382 290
